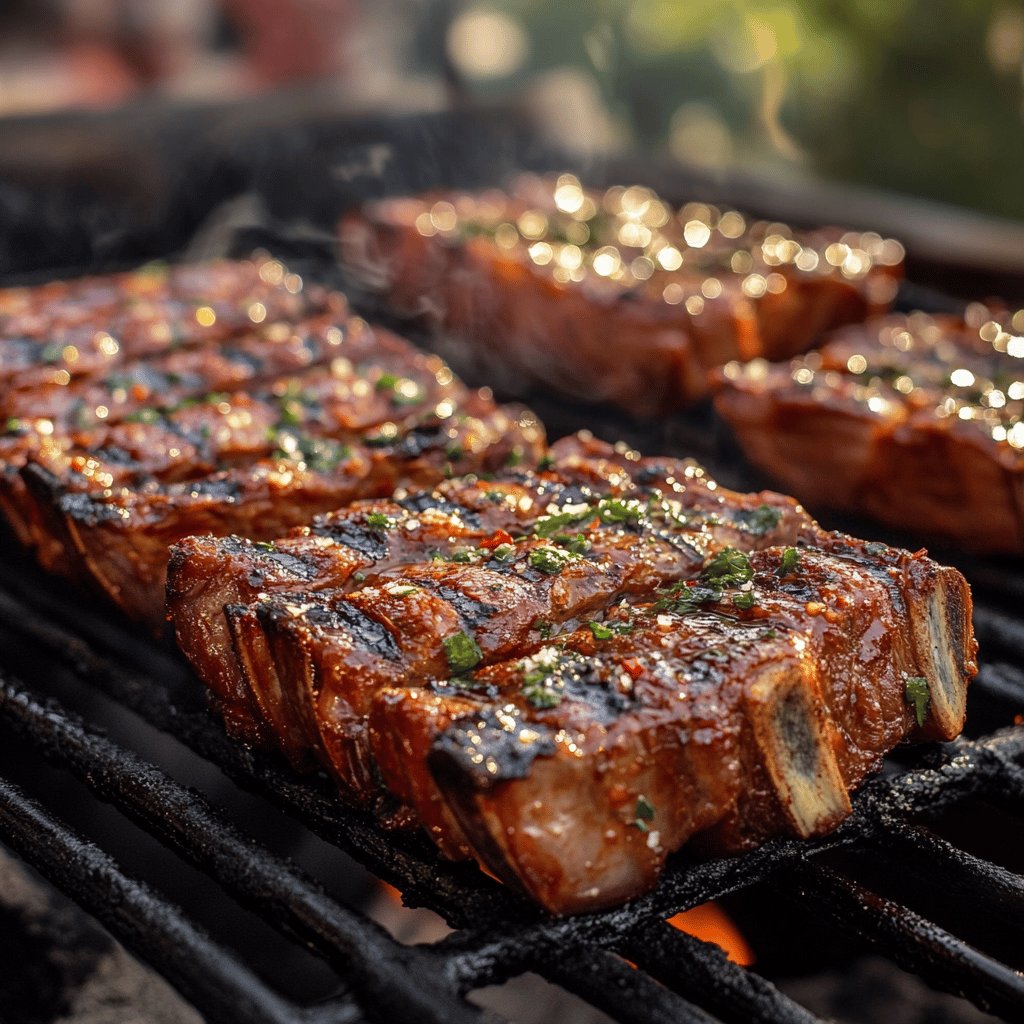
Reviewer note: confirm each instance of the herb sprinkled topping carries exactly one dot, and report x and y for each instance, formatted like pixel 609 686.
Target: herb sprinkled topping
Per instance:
pixel 462 652
pixel 380 521
pixel 916 688
pixel 728 568
pixel 790 562
pixel 549 560
pixel 606 630
pixel 644 813
pixel 760 520
pixel 544 675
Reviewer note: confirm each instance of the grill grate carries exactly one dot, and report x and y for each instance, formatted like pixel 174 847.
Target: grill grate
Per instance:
pixel 498 936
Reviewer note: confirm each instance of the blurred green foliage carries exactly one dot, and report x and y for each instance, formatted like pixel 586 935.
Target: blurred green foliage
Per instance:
pixel 920 96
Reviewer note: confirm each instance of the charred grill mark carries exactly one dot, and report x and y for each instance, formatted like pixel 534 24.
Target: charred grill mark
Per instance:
pixel 369 633
pixel 472 611
pixel 366 540
pixel 491 747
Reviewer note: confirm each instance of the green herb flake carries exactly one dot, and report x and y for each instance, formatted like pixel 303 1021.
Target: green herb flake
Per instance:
pixel 601 631
pixel 916 688
pixel 548 526
pixel 266 545
pixel 359 577
pixel 12 425
pixel 545 463
pixel 380 521
pixel 504 552
pixel 549 560
pixel 644 808
pixel 514 458
pixel 543 627
pixel 790 561
pixel 462 652
pixel 386 382
pixel 759 521
pixel 729 568
pixel 615 510
pixel 745 600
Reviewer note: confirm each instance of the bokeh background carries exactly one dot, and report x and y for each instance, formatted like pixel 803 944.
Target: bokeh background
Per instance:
pixel 918 96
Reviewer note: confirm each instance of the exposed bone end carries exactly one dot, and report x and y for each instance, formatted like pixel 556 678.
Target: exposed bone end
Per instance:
pixel 787 716
pixel 945 651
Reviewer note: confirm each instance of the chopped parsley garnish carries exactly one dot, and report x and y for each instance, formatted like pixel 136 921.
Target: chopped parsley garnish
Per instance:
pixel 745 600
pixel 545 463
pixel 790 561
pixel 760 520
pixel 729 568
pixel 549 560
pixel 917 694
pixel 380 521
pixel 504 552
pixel 543 627
pixel 12 425
pixel 359 577
pixel 615 510
pixel 644 814
pixel 386 382
pixel 515 457
pixel 454 452
pixel 548 526
pixel 544 676
pixel 462 652
pixel 266 545
pixel 606 630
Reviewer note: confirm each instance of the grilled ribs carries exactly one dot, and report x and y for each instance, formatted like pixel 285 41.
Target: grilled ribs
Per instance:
pixel 136 433
pixel 612 297
pixel 914 420
pixel 607 632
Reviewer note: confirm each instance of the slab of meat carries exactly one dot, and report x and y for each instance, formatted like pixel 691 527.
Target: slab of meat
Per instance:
pixel 53 332
pixel 111 452
pixel 535 668
pixel 613 297
pixel 254 581
pixel 914 420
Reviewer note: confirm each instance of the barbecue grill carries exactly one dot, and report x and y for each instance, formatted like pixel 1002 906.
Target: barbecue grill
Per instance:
pixel 906 874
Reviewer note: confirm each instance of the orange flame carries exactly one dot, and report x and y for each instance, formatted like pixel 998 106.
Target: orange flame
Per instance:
pixel 710 923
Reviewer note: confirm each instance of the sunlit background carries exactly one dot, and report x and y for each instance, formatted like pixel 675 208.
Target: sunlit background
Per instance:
pixel 917 96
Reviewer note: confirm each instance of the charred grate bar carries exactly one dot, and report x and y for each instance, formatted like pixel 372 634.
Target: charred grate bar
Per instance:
pixel 500 936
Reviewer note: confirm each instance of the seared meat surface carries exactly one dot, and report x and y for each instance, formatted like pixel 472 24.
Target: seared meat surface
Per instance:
pixel 567 673
pixel 914 420
pixel 612 297
pixel 225 398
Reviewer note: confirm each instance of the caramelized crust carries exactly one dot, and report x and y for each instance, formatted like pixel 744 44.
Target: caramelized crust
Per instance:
pixel 914 420
pixel 567 674
pixel 612 297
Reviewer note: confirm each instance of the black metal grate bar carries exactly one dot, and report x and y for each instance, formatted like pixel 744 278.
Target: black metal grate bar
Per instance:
pixel 912 941
pixel 689 965
pixel 225 990
pixel 393 982
pixel 986 887
pixel 679 977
